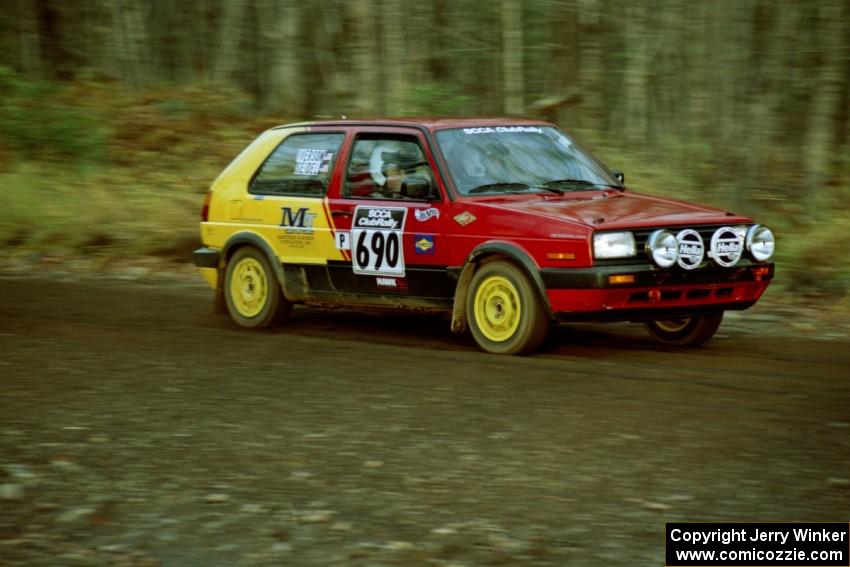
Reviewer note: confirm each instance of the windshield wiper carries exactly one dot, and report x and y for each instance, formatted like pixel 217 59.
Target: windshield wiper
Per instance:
pixel 498 187
pixel 580 184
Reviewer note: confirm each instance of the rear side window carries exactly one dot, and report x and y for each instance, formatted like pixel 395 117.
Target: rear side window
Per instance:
pixel 301 165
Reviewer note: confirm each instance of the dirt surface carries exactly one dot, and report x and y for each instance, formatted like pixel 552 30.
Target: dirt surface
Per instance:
pixel 137 428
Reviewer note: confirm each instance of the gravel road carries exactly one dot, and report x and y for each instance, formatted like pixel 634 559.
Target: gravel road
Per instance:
pixel 137 428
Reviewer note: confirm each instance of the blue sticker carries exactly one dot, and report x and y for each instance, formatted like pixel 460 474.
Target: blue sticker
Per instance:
pixel 424 243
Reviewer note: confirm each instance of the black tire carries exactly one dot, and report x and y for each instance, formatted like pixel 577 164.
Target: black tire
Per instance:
pixel 687 332
pixel 251 291
pixel 514 320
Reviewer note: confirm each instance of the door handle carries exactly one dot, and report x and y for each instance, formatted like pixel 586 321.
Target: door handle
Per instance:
pixel 341 213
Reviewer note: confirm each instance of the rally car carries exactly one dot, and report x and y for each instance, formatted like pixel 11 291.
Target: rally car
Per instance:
pixel 508 226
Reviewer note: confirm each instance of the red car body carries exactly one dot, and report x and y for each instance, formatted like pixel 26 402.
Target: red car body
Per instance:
pixel 544 231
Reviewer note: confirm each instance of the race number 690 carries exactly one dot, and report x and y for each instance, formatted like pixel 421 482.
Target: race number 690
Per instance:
pixel 378 252
pixel 376 241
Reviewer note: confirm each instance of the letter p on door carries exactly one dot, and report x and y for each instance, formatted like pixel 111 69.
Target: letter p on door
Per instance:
pixel 343 240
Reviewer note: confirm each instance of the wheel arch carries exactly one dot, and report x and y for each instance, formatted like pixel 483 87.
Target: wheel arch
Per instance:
pixel 488 252
pixel 241 239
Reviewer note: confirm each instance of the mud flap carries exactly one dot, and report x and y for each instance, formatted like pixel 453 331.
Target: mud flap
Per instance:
pixel 459 306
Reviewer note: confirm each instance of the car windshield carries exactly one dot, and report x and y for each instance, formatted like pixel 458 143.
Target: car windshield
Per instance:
pixel 519 159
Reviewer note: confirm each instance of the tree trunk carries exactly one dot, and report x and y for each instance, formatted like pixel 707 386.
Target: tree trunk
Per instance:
pixel 840 163
pixel 827 86
pixel 281 87
pixel 635 80
pixel 364 51
pixel 512 78
pixel 129 41
pixel 227 48
pixel 393 22
pixel 29 52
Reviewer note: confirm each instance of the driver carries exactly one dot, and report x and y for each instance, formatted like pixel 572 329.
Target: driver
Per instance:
pixel 471 163
pixel 464 164
pixel 393 176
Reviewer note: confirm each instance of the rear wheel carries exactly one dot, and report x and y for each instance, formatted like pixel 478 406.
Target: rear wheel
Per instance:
pixel 504 310
pixel 251 290
pixel 687 331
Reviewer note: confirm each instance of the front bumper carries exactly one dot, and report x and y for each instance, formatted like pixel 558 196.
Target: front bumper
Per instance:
pixel 589 294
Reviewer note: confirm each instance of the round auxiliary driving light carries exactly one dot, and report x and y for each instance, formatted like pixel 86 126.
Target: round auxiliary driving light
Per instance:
pixel 663 248
pixel 760 242
pixel 726 246
pixel 691 249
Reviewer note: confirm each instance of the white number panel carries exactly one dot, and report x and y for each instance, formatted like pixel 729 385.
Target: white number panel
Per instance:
pixel 376 244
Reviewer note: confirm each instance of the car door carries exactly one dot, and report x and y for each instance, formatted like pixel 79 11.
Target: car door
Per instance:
pixel 389 217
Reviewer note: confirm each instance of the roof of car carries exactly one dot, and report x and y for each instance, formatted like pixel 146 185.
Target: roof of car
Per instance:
pixel 430 123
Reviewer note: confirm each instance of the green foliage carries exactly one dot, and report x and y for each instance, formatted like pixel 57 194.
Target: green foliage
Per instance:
pixel 438 99
pixel 813 258
pixel 42 120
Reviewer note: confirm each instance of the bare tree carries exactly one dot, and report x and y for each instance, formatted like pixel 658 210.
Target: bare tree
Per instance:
pixel 512 56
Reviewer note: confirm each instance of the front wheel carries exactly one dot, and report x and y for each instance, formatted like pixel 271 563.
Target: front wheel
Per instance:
pixel 687 331
pixel 251 291
pixel 504 310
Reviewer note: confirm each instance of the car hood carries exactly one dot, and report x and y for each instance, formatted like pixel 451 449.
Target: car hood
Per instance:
pixel 604 210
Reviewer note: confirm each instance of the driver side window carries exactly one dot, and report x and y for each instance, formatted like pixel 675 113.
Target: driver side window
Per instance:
pixel 388 167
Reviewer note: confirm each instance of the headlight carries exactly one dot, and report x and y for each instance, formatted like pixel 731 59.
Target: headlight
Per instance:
pixel 663 248
pixel 607 245
pixel 691 249
pixel 760 242
pixel 727 246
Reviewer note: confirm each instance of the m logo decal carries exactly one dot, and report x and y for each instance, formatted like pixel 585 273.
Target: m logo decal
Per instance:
pixel 299 219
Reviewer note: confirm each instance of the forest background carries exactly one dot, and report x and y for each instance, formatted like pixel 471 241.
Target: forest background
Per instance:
pixel 115 115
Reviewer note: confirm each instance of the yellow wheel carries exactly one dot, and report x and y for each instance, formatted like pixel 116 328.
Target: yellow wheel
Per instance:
pixel 497 308
pixel 249 288
pixel 673 325
pixel 504 310
pixel 251 291
pixel 685 331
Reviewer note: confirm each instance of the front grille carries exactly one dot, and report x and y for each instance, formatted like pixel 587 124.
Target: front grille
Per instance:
pixel 666 296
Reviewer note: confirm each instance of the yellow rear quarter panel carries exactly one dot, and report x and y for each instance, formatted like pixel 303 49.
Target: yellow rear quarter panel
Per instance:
pixel 297 229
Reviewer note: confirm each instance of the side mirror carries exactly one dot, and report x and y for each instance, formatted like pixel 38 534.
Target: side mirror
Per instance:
pixel 417 187
pixel 619 176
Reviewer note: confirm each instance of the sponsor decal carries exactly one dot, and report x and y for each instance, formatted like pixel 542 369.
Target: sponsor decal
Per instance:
pixel 297 221
pixel 395 284
pixel 424 243
pixel 504 130
pixel 726 246
pixel 326 162
pixel 465 218
pixel 297 225
pixel 691 249
pixel 377 217
pixel 343 240
pixel 376 241
pixel 312 162
pixel 424 214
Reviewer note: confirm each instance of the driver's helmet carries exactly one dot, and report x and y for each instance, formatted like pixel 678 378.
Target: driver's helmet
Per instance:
pixel 405 155
pixel 376 161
